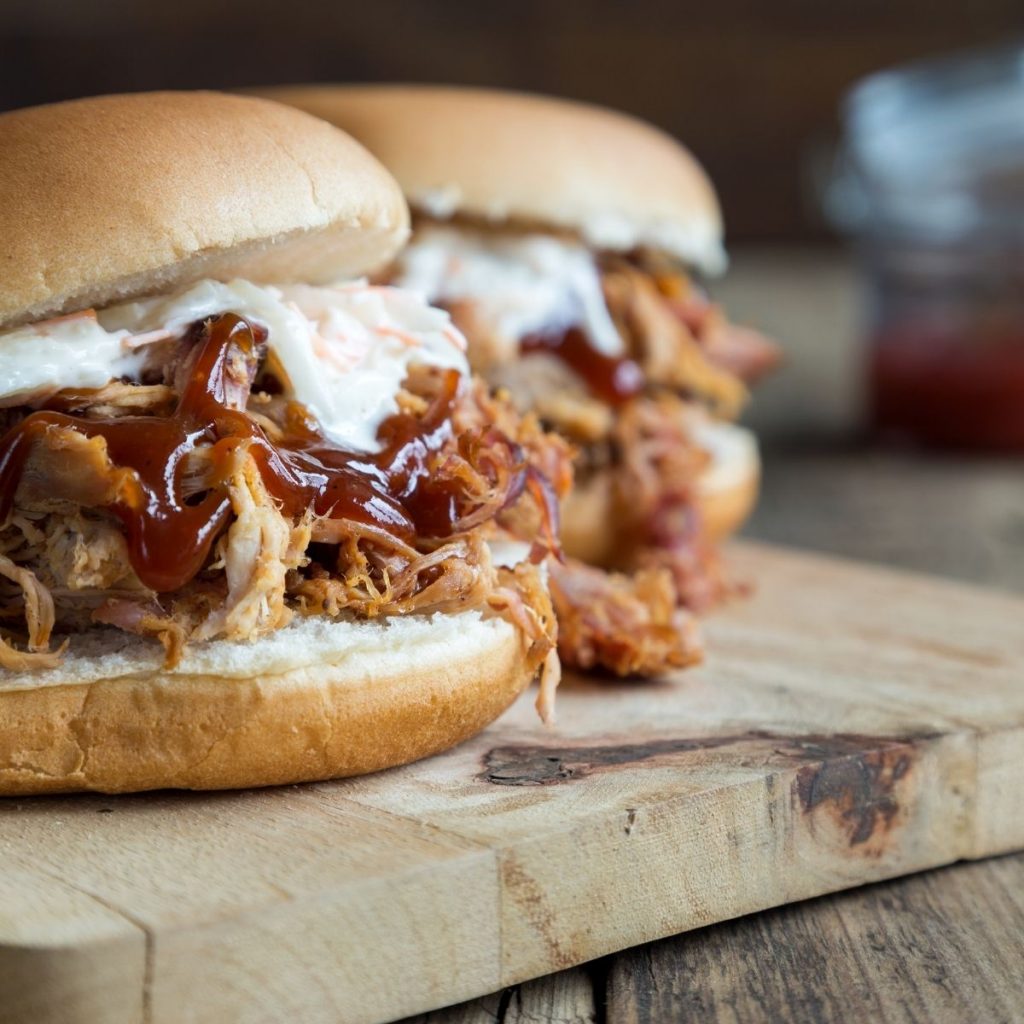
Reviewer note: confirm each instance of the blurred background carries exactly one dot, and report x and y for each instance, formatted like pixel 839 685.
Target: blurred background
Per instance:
pixel 881 247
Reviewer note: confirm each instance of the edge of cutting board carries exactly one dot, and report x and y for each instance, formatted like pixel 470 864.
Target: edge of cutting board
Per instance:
pixel 853 724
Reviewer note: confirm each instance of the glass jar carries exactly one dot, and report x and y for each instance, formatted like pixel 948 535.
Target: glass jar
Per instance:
pixel 930 185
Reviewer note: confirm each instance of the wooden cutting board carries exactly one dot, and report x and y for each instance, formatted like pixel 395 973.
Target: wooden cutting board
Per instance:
pixel 851 724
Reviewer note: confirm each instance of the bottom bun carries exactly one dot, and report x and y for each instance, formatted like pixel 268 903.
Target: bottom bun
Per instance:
pixel 726 494
pixel 316 700
pixel 728 489
pixel 590 530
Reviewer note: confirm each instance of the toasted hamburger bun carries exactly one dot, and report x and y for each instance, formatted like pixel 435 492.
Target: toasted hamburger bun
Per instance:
pixel 122 196
pixel 119 196
pixel 726 495
pixel 316 700
pixel 507 157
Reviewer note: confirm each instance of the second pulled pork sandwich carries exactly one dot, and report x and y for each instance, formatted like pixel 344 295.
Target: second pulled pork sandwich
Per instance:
pixel 567 243
pixel 256 527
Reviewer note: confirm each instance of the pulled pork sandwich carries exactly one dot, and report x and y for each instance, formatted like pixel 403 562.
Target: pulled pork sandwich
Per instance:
pixel 256 528
pixel 565 241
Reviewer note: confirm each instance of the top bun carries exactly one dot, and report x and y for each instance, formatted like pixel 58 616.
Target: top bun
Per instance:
pixel 117 196
pixel 502 156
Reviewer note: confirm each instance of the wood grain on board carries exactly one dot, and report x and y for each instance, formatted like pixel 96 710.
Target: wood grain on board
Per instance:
pixel 921 951
pixel 850 725
pixel 941 947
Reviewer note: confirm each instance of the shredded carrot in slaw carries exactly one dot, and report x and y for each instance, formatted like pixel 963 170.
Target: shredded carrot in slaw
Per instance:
pixel 146 338
pixel 456 338
pixel 403 336
pixel 83 314
pixel 329 353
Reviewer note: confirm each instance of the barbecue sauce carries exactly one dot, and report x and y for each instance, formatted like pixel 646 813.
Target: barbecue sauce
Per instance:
pixel 612 379
pixel 170 534
pixel 953 386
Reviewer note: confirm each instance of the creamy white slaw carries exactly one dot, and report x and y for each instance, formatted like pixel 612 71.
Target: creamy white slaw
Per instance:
pixel 345 350
pixel 519 284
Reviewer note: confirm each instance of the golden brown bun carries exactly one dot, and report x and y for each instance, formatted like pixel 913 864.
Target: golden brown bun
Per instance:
pixel 727 491
pixel 503 156
pixel 723 512
pixel 589 530
pixel 370 698
pixel 117 196
pixel 726 496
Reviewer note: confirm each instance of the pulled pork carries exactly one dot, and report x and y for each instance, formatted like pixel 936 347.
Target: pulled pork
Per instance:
pixel 693 359
pixel 655 470
pixel 632 625
pixel 70 549
pixel 37 608
pixel 642 452
pixel 681 340
pixel 259 549
pixel 664 344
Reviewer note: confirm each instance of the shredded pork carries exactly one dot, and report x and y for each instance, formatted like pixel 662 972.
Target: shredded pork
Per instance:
pixel 37 608
pixel 631 625
pixel 66 471
pixel 694 363
pixel 259 549
pixel 669 351
pixel 66 565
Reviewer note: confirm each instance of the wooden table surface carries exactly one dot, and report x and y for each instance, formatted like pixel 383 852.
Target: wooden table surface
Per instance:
pixel 942 946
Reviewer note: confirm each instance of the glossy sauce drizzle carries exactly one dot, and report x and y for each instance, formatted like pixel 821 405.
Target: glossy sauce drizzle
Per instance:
pixel 170 534
pixel 612 379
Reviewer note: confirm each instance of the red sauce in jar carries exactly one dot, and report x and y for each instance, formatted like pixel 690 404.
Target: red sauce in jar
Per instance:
pixel 612 379
pixel 950 389
pixel 170 534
